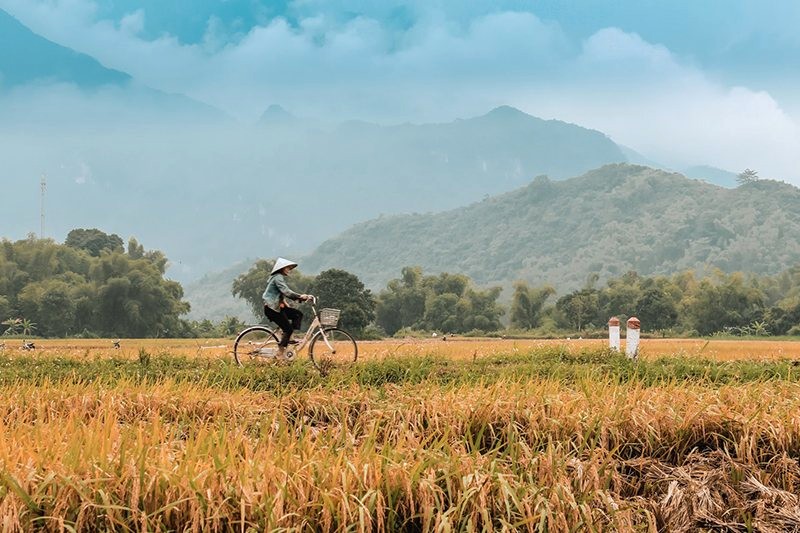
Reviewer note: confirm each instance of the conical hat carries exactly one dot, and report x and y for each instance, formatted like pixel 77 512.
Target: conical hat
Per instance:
pixel 282 263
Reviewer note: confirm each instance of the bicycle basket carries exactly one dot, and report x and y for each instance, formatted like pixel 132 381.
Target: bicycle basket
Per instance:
pixel 329 317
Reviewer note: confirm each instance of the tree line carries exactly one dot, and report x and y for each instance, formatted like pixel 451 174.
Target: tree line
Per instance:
pixel 90 285
pixel 95 285
pixel 685 303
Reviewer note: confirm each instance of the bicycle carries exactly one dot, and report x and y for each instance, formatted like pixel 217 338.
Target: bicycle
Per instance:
pixel 328 345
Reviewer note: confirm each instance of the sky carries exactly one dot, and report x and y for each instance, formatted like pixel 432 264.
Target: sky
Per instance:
pixel 684 82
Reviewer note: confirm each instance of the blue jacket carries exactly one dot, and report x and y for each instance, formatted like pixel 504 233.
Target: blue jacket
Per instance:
pixel 277 291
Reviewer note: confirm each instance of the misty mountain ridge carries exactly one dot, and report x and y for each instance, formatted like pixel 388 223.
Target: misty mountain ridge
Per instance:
pixel 210 296
pixel 38 66
pixel 25 57
pixel 717 176
pixel 606 222
pixel 707 173
pixel 279 188
pixel 216 191
pixel 276 114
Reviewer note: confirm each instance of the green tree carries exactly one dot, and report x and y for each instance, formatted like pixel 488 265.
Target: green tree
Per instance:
pixel 727 301
pixel 527 304
pixel 5 308
pixel 402 303
pixel 342 290
pixel 93 241
pixel 12 326
pixel 230 325
pixel 747 176
pixel 655 307
pixel 445 302
pixel 579 307
pixel 135 250
pixel 49 303
pixel 66 290
pixel 446 283
pixel 619 297
pixel 784 321
pixel 27 326
pixel 442 313
pixel 479 310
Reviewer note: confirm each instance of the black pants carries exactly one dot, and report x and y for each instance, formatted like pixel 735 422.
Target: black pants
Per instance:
pixel 288 320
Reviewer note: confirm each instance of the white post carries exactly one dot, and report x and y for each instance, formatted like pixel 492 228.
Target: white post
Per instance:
pixel 613 333
pixel 632 338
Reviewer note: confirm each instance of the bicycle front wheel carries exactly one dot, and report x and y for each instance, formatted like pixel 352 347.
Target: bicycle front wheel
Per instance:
pixel 254 344
pixel 332 347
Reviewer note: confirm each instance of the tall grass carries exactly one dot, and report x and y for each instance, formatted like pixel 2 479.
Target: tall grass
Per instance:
pixel 417 444
pixel 552 363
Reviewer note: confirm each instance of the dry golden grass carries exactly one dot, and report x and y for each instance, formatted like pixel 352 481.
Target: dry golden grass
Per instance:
pixel 457 348
pixel 534 454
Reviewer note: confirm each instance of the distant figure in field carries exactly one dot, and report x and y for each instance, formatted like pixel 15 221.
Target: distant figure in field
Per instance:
pixel 28 346
pixel 117 345
pixel 275 307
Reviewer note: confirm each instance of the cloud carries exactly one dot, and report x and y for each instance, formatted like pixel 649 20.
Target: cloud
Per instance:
pixel 318 57
pixel 132 23
pixel 645 97
pixel 427 61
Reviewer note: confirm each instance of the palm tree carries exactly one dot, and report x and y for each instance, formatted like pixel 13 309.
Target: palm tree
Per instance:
pixel 27 326
pixel 13 326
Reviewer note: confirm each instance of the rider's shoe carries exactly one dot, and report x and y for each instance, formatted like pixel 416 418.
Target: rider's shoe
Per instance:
pixel 294 341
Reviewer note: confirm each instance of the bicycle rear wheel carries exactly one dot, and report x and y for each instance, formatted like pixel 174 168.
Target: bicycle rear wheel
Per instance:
pixel 339 350
pixel 255 344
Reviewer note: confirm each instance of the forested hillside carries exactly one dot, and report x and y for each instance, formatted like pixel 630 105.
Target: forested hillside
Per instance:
pixel 608 221
pixel 211 297
pixel 280 187
pixel 91 285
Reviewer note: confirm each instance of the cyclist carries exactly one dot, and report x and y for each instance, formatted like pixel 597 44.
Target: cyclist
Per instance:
pixel 275 307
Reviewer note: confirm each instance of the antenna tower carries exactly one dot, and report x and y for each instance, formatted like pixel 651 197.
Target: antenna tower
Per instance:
pixel 44 188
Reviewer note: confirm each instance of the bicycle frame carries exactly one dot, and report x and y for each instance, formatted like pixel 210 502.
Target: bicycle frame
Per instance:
pixel 313 328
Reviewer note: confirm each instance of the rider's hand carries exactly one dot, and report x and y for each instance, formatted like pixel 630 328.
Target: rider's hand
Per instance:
pixel 305 297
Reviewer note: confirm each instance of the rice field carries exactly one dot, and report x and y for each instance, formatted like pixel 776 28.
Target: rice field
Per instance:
pixel 456 348
pixel 422 435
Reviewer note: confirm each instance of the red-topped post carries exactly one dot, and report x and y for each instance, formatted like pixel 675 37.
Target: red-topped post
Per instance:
pixel 613 333
pixel 632 337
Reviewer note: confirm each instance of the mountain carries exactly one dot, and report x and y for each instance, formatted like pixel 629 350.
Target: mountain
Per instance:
pixel 232 191
pixel 47 73
pixel 276 114
pixel 717 176
pixel 357 170
pixel 26 57
pixel 707 173
pixel 211 298
pixel 635 158
pixel 617 218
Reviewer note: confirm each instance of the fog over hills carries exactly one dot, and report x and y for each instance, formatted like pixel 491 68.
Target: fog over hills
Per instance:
pixel 26 57
pixel 211 193
pixel 183 177
pixel 606 222
pixel 44 83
